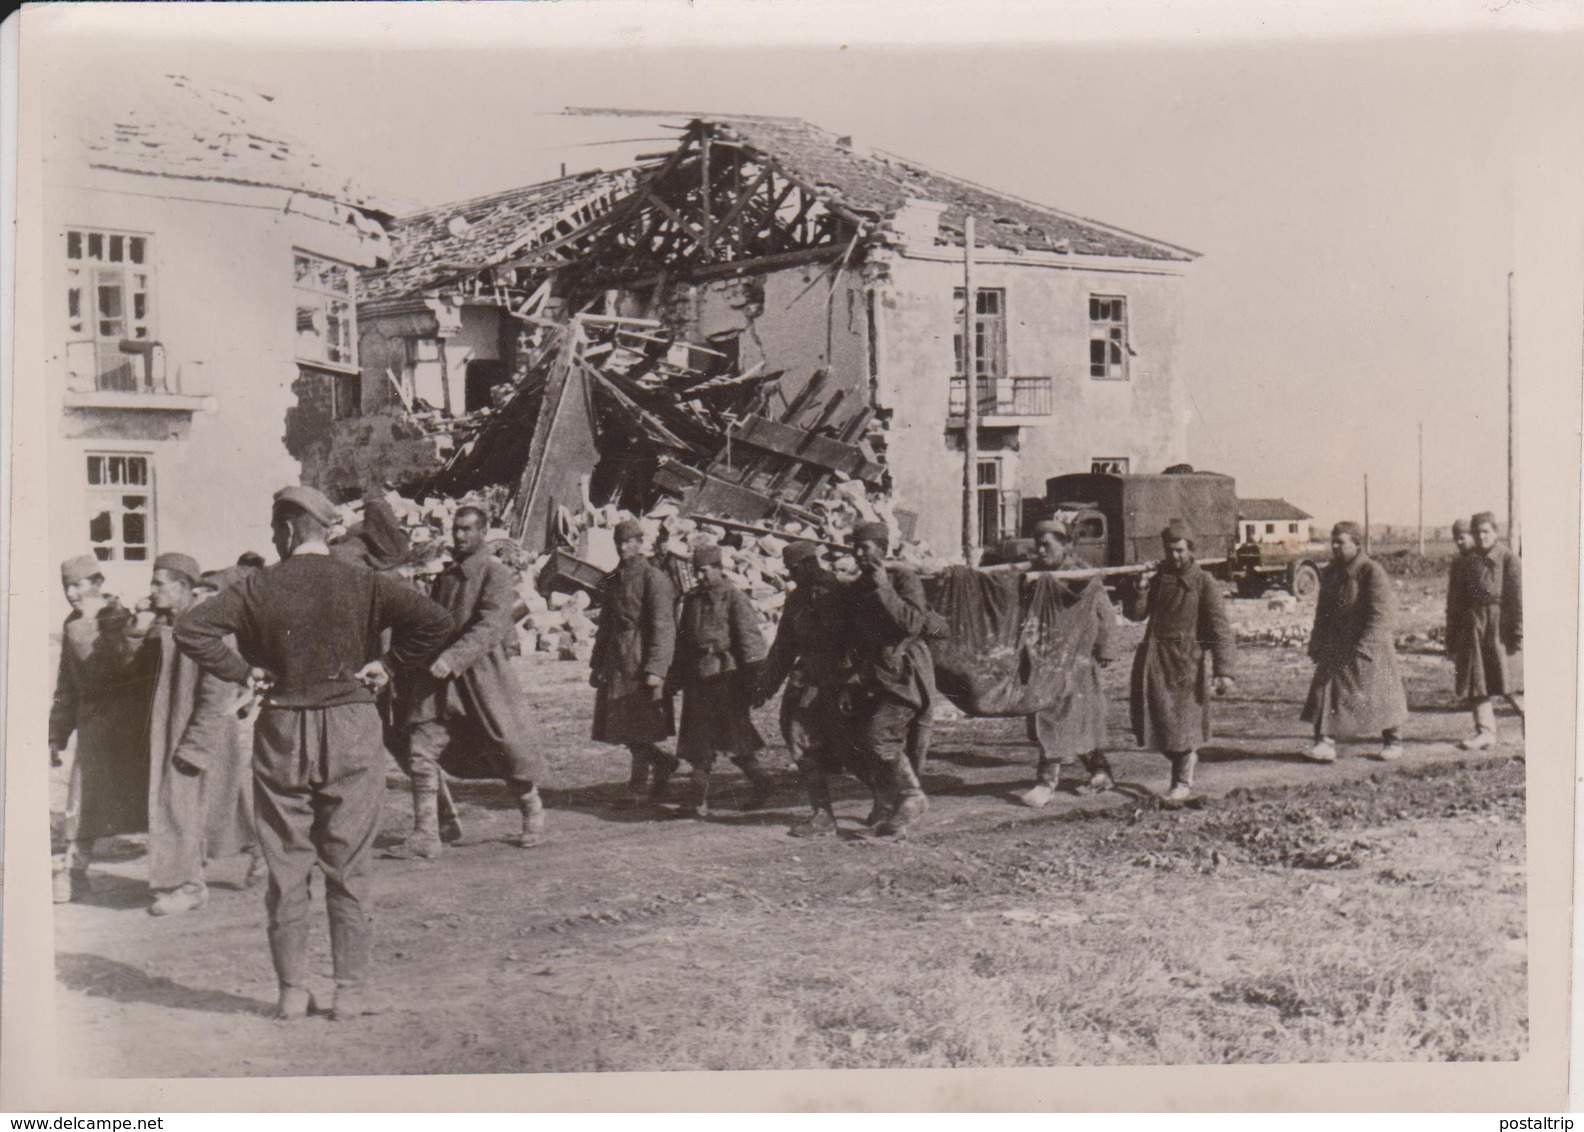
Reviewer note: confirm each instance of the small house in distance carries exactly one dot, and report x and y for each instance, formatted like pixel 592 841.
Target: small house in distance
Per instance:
pixel 1272 520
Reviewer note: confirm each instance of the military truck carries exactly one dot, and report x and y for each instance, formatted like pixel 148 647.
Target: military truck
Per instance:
pixel 1115 523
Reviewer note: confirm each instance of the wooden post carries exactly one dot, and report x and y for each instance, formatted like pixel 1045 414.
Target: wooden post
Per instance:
pixel 970 405
pixel 1366 514
pixel 705 207
pixel 1421 489
pixel 1512 426
pixel 445 379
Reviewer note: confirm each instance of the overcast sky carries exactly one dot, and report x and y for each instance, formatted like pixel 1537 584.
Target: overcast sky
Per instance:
pixel 1353 199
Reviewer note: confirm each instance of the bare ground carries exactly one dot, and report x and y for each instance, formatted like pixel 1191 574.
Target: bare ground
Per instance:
pixel 1359 912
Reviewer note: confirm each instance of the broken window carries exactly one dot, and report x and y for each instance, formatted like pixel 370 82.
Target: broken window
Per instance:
pixel 1108 466
pixel 120 507
pixel 326 294
pixel 1108 345
pixel 109 299
pixel 999 508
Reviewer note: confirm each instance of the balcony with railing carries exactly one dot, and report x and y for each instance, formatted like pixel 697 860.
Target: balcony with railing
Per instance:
pixel 131 374
pixel 999 399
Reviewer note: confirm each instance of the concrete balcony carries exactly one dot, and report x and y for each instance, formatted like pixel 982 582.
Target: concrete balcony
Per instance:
pixel 1004 400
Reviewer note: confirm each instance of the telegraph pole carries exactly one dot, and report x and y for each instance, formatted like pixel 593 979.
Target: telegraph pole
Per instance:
pixel 1512 426
pixel 1421 489
pixel 970 404
pixel 1366 514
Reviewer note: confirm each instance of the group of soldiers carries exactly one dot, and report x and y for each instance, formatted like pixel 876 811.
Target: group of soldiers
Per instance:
pixel 338 657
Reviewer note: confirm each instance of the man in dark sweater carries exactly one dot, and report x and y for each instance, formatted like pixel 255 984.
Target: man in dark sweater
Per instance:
pixel 309 630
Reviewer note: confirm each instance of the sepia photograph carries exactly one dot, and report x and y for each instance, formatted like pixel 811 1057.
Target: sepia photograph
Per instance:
pixel 642 555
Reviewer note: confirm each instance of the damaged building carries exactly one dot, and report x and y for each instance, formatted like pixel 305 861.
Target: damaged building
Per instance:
pixel 741 322
pixel 201 278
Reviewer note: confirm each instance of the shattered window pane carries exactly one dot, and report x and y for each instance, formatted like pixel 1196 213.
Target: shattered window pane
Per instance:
pixel 326 320
pixel 107 292
pixel 95 246
pixel 116 248
pixel 100 527
pixel 137 249
pixel 74 243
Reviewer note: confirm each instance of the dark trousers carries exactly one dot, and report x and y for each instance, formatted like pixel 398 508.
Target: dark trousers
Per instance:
pixel 515 763
pixel 319 780
pixel 887 737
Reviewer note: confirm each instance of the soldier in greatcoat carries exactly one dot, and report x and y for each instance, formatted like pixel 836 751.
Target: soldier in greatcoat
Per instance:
pixel 892 689
pixel 719 649
pixel 1463 544
pixel 1485 611
pixel 1188 647
pixel 1072 732
pixel 309 629
pixel 102 695
pixel 632 658
pixel 1357 688
pixel 809 655
pixel 464 712
pixel 196 766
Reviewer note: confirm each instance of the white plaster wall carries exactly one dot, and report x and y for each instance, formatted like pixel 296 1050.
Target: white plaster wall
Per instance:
pixel 222 259
pixel 1144 418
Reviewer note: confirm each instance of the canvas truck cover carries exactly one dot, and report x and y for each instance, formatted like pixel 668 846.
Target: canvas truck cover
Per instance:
pixel 1011 637
pixel 1138 507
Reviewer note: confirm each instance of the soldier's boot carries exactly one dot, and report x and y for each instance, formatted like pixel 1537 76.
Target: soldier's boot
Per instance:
pixel 1100 777
pixel 188 898
pixel 638 776
pixel 1391 745
pixel 696 803
pixel 295 1004
pixel 1047 781
pixel 289 952
pixel 531 806
pixel 1484 738
pixel 423 843
pixel 910 803
pixel 822 821
pixel 662 765
pixel 761 783
pixel 450 824
pixel 1183 765
pixel 71 881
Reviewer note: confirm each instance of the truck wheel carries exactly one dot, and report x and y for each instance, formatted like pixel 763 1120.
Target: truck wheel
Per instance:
pixel 1305 581
pixel 1250 585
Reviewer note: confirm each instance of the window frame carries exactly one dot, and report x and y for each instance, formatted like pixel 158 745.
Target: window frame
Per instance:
pixel 113 496
pixel 86 275
pixel 986 348
pixel 326 297
pixel 1111 333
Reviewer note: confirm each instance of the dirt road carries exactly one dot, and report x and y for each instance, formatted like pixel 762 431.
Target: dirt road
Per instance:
pixel 1359 911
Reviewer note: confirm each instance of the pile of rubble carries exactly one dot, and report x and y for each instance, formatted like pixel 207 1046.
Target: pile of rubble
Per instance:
pixel 557 610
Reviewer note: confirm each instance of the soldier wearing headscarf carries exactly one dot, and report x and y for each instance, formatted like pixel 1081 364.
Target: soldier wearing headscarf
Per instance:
pixel 633 647
pixel 891 692
pixel 1072 732
pixel 719 648
pixel 1485 629
pixel 1188 646
pixel 102 696
pixel 1357 688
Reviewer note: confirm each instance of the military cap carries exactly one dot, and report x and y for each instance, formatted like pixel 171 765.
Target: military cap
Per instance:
pixel 1176 531
pixel 182 564
pixel 1483 519
pixel 1050 527
pixel 796 552
pixel 706 554
pixel 1351 529
pixel 871 532
pixel 80 569
pixel 1462 527
pixel 310 501
pixel 628 528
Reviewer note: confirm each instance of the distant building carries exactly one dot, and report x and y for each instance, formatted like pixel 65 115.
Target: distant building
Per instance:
pixel 1272 520
pixel 806 254
pixel 203 284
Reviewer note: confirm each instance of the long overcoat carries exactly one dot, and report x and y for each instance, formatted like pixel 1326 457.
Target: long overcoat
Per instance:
pixel 636 638
pixel 1186 641
pixel 890 654
pixel 809 654
pixel 1076 724
pixel 1485 623
pixel 102 693
pixel 1357 689
pixel 484 696
pixel 719 648
pixel 206 815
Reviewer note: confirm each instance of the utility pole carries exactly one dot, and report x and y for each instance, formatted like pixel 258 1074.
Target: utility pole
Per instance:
pixel 1421 489
pixel 1366 514
pixel 970 404
pixel 1512 426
